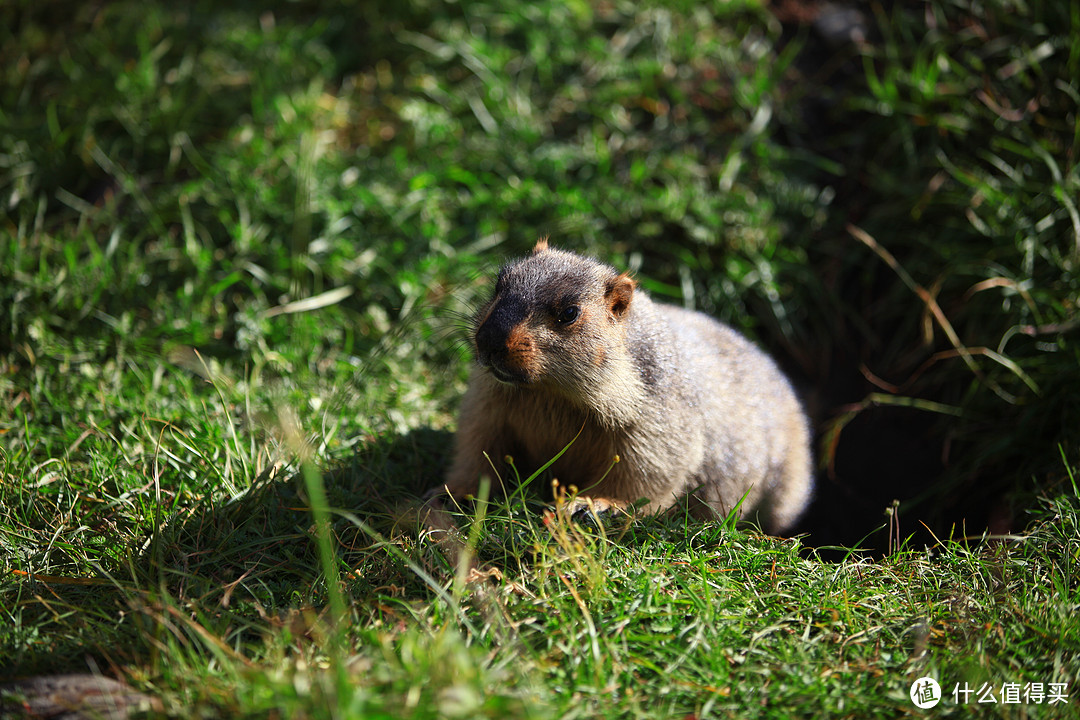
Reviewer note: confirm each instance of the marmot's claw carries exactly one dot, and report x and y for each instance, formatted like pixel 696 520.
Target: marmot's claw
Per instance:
pixel 591 511
pixel 586 517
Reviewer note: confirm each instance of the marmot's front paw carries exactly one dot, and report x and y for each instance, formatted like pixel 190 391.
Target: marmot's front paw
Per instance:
pixel 590 510
pixel 433 514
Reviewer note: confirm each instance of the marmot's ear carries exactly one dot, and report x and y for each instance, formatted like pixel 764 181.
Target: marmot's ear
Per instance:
pixel 618 294
pixel 541 246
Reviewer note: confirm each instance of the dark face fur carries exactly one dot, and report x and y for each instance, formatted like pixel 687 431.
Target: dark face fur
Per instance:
pixel 553 319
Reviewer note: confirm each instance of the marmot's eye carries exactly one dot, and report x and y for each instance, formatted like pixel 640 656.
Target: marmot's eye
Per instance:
pixel 568 315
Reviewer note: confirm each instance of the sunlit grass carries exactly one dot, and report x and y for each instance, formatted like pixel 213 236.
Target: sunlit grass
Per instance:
pixel 237 253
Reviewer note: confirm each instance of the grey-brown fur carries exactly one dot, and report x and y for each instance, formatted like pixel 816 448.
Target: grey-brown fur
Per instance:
pixel 689 406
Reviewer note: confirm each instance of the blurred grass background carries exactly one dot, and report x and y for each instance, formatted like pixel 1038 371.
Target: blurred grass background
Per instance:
pixel 228 224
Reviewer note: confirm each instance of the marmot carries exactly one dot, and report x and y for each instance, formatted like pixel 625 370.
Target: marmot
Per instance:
pixel 568 346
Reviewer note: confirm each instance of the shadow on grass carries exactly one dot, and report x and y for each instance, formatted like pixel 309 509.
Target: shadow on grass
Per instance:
pixel 240 568
pixel 262 545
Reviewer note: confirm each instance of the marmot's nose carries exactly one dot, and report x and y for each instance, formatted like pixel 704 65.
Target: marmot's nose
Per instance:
pixel 497 326
pixel 490 339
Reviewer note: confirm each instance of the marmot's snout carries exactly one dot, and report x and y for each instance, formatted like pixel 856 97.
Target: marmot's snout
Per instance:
pixel 505 346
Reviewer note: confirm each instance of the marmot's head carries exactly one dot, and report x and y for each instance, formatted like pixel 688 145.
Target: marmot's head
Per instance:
pixel 556 320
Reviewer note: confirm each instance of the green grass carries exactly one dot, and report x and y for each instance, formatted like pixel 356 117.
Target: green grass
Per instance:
pixel 237 253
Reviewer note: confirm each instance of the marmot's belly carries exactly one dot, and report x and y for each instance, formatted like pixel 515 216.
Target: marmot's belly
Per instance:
pixel 583 464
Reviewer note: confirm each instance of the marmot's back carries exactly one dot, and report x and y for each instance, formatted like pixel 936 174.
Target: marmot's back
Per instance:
pixel 755 426
pixel 569 347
